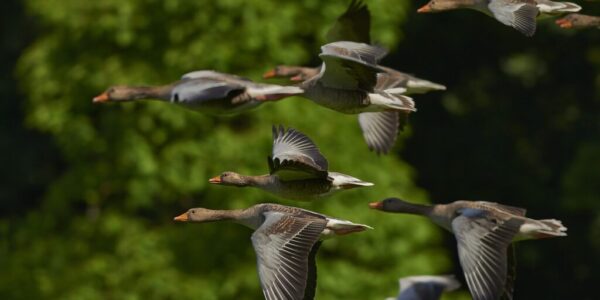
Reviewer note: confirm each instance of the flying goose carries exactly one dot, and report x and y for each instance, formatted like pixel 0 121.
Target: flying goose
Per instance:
pixel 297 170
pixel 285 240
pixel 484 231
pixel 519 14
pixel 354 25
pixel 206 91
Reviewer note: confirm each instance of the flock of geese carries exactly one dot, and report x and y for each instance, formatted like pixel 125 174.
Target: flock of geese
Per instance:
pixel 351 81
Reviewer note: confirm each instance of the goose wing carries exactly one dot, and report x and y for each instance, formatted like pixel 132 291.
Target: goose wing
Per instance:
pixel 350 65
pixel 295 156
pixel 283 244
pixel 353 25
pixel 482 250
pixel 380 129
pixel 517 14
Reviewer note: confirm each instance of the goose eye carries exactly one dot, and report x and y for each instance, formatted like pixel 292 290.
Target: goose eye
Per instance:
pixel 192 211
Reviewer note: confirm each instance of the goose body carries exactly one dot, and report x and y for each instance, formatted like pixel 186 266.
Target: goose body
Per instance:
pixel 298 170
pixel 206 91
pixel 519 14
pixel 285 240
pixel 425 287
pixel 412 84
pixel 484 231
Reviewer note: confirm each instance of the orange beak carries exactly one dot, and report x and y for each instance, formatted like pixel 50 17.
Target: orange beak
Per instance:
pixel 376 205
pixel 101 98
pixel 269 74
pixel 216 180
pixel 182 217
pixel 564 23
pixel 425 9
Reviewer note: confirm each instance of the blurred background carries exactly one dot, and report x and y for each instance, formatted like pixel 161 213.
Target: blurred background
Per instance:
pixel 88 192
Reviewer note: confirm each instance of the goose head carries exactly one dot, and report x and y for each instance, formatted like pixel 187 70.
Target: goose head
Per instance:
pixel 390 204
pixel 119 93
pixel 292 73
pixel 397 205
pixel 578 21
pixel 230 178
pixel 443 5
pixel 198 214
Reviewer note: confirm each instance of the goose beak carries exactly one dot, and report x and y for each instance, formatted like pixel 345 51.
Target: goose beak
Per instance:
pixel 425 9
pixel 376 205
pixel 101 98
pixel 182 217
pixel 269 74
pixel 564 23
pixel 215 180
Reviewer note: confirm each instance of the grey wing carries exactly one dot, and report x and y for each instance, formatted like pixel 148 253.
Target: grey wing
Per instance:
pixel 505 208
pixel 311 281
pixel 380 129
pixel 295 156
pixel 210 74
pixel 387 80
pixel 354 25
pixel 482 251
pixel 519 15
pixel 511 277
pixel 196 91
pixel 282 245
pixel 426 287
pixel 350 65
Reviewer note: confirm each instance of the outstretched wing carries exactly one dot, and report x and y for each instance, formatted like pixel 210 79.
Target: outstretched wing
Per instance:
pixel 350 65
pixel 354 25
pixel 482 250
pixel 283 244
pixel 380 129
pixel 295 156
pixel 518 15
pixel 210 74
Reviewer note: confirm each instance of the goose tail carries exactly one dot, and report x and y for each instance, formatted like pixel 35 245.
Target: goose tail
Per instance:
pixel 554 228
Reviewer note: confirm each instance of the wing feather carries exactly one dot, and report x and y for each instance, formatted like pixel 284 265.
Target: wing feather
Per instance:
pixel 482 248
pixel 283 244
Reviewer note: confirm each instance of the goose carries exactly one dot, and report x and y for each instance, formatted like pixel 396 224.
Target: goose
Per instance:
pixel 425 287
pixel 286 240
pixel 298 170
pixel 206 91
pixel 483 231
pixel 350 82
pixel 519 14
pixel 354 25
pixel 578 21
pixel 413 84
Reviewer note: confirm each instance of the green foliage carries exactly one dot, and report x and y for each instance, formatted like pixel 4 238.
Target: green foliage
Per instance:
pixel 104 229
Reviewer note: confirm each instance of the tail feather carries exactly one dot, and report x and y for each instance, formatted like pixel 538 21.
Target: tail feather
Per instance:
pixel 552 228
pixel 420 86
pixel 392 99
pixel 555 228
pixel 347 182
pixel 552 7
